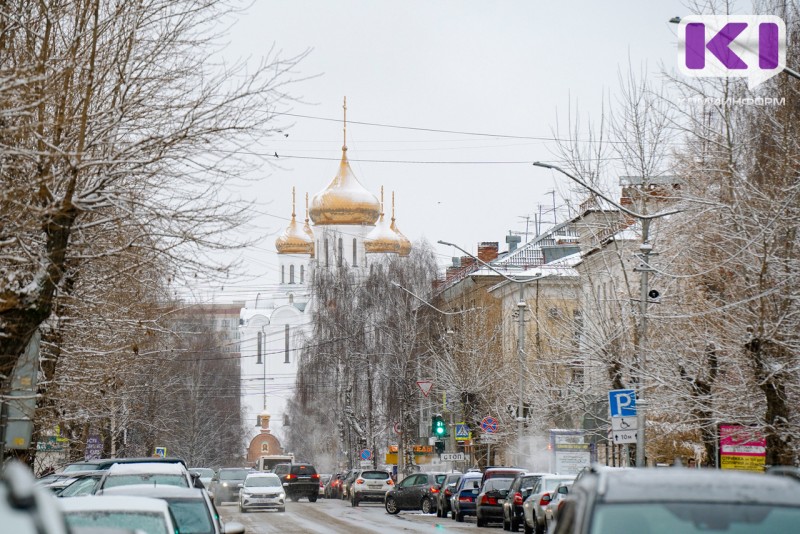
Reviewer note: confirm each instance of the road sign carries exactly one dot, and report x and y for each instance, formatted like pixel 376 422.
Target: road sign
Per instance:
pixel 366 454
pixel 396 428
pixel 462 432
pixel 623 423
pixel 624 436
pixel 489 424
pixel 425 386
pixel 366 463
pixel 161 451
pixel 622 402
pixel 453 456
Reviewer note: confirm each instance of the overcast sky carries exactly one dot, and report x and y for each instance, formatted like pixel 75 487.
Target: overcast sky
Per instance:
pixel 505 68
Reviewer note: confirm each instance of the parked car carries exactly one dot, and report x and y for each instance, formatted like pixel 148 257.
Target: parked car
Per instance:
pixel 143 514
pixel 299 480
pixel 58 482
pixel 462 503
pixel 26 508
pixel 489 502
pixel 155 474
pixel 415 492
pixel 204 474
pixel 191 508
pixel 370 485
pixel 262 491
pixel 323 481
pixel 555 504
pixel 533 507
pixel 225 484
pixel 520 488
pixel 446 489
pixel 652 500
pixel 81 484
pixel 105 463
pixel 500 472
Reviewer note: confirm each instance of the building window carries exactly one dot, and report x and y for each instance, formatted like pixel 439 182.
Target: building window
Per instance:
pixel 291 274
pixel 286 344
pixel 283 274
pixel 291 298
pixel 340 251
pixel 327 259
pixel 302 274
pixel 355 252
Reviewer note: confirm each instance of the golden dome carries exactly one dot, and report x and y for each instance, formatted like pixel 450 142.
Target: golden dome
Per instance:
pixel 405 244
pixel 382 239
pixel 345 201
pixel 294 240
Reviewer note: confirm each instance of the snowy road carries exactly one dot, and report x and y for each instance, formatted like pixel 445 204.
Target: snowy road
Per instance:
pixel 334 516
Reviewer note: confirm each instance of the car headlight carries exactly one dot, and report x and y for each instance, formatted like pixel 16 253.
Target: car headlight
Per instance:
pixel 281 495
pixel 224 484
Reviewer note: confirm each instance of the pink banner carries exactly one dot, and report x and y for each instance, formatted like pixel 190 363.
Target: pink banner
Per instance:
pixel 738 440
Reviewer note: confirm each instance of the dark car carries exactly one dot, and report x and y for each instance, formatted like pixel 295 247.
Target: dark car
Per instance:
pixel 520 488
pixel 445 494
pixel 333 486
pixel 489 502
pixel 347 481
pixel 501 472
pixel 299 480
pixel 415 492
pixel 650 500
pixel 463 501
pixel 225 484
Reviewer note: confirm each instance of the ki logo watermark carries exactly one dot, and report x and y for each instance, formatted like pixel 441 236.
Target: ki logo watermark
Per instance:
pixel 746 46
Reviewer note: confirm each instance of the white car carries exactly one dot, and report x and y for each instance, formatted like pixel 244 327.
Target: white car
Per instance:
pixel 152 474
pixel 370 485
pixel 262 491
pixel 135 513
pixel 539 498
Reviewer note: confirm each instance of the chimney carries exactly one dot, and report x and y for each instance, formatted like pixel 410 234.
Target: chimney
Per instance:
pixel 487 251
pixel 513 241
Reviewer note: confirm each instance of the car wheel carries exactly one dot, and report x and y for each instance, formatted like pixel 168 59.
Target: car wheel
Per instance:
pixel 438 512
pixel 481 522
pixel 506 525
pixel 294 498
pixel 513 525
pixel 312 498
pixel 537 528
pixel 452 514
pixel 354 501
pixel 426 506
pixel 391 506
pixel 282 509
pixel 460 517
pixel 241 510
pixel 526 528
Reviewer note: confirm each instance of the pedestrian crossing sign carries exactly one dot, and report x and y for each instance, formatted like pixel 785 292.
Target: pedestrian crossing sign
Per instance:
pixel 462 432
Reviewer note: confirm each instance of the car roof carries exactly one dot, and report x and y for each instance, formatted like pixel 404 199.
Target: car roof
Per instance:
pixel 105 463
pixel 706 485
pixel 146 468
pixel 157 492
pixel 235 468
pixel 113 503
pixel 263 475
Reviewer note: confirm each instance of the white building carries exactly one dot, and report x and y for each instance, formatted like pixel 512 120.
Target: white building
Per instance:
pixel 348 227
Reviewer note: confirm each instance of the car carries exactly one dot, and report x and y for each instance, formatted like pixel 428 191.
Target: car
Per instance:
pixel 144 514
pixel 415 492
pixel 105 463
pixel 146 473
pixel 370 485
pixel 57 482
pixel 80 484
pixel 204 475
pixel 651 500
pixel 333 486
pixel 299 480
pixel 520 488
pixel 323 481
pixel 262 491
pixel 226 482
pixel 191 508
pixel 462 503
pixel 446 489
pixel 26 508
pixel 490 499
pixel 540 496
pixel 347 481
pixel 555 504
pixel 500 472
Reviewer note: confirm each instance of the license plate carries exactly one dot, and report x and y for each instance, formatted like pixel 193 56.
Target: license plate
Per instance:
pixel 374 486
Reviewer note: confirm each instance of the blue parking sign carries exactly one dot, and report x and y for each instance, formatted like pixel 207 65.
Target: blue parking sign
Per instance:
pixel 622 402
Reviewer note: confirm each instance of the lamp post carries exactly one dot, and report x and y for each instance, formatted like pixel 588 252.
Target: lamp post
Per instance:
pixel 520 330
pixel 646 250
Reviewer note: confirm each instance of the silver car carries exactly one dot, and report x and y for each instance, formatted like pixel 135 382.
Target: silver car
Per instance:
pixel 540 496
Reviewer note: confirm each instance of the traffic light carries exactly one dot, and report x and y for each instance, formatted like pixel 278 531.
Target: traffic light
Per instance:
pixel 438 426
pixel 439 446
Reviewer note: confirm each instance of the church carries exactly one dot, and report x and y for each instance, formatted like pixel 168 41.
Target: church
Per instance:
pixel 347 226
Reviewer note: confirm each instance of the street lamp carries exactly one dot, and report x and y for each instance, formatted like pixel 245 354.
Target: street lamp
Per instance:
pixel 645 249
pixel 520 329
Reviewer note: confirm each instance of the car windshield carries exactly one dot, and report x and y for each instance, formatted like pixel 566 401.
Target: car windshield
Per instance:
pixel 693 518
pixel 82 486
pixel 440 478
pixel 497 484
pixel 192 516
pixel 263 482
pixel 145 478
pixel 552 483
pixel 233 474
pixel 149 522
pixel 203 472
pixel 303 470
pixel 375 475
pixel 79 467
